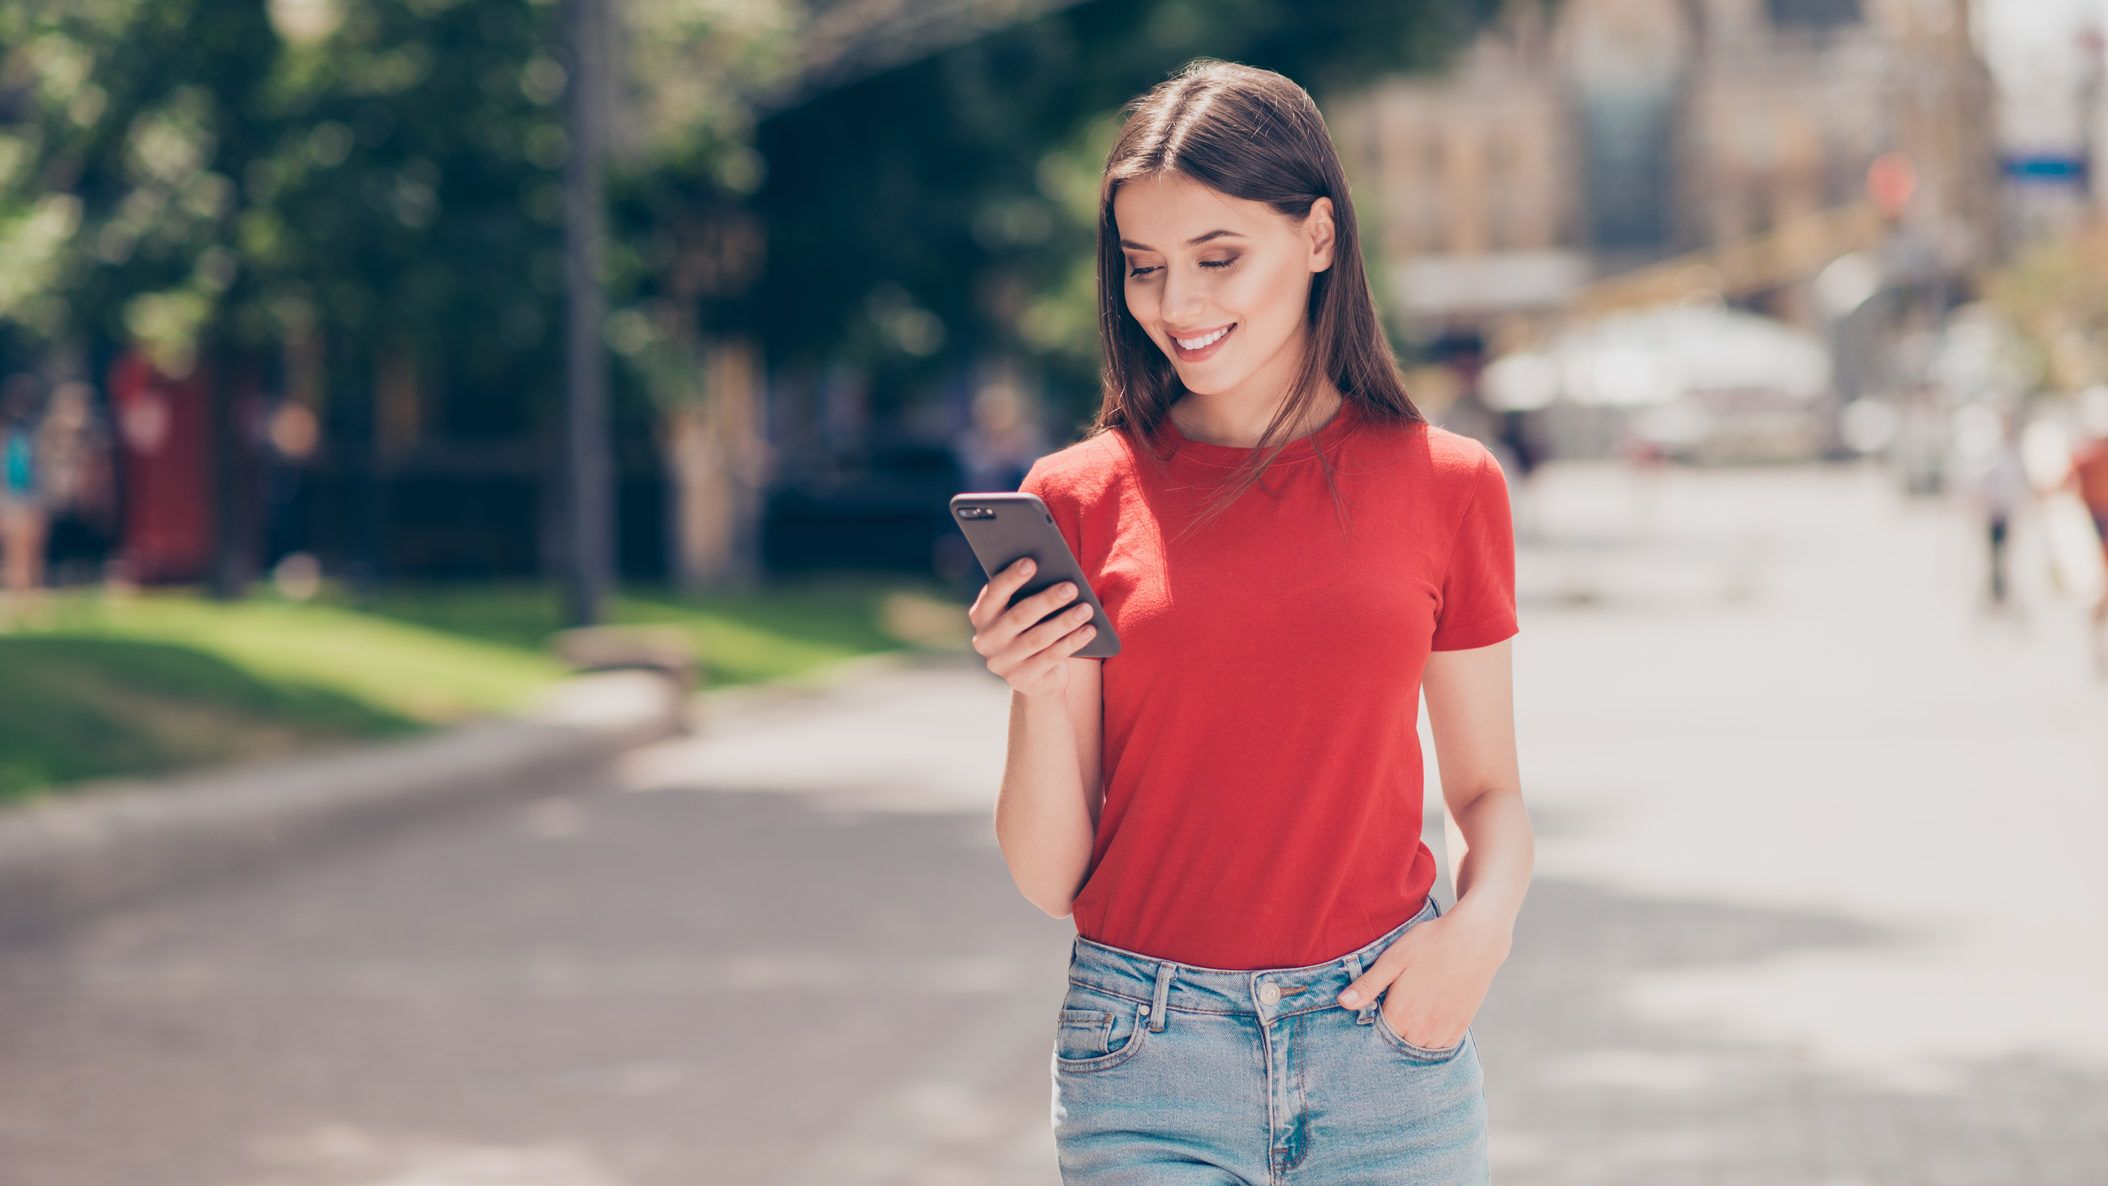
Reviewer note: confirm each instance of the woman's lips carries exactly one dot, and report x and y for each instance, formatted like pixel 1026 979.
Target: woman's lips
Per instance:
pixel 1207 352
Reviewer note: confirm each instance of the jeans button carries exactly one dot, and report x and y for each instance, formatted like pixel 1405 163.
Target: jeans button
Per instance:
pixel 1270 992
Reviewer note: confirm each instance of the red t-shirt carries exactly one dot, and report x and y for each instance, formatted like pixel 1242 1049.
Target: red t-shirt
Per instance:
pixel 1261 757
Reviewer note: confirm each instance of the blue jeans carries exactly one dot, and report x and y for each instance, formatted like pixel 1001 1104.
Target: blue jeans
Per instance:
pixel 1169 1074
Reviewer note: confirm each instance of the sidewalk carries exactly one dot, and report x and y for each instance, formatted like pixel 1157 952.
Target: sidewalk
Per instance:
pixel 116 841
pixel 1813 902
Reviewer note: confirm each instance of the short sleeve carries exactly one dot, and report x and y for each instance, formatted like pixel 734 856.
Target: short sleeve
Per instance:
pixel 1478 583
pixel 1038 480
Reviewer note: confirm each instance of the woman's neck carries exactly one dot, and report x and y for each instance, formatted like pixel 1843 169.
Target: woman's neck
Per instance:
pixel 1208 419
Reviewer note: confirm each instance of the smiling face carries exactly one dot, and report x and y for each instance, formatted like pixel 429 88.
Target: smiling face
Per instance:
pixel 1199 261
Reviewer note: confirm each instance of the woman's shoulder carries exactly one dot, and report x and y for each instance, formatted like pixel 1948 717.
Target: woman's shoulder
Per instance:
pixel 1436 451
pixel 1459 454
pixel 1080 469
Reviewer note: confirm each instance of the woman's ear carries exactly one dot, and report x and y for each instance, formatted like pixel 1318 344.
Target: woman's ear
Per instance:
pixel 1318 227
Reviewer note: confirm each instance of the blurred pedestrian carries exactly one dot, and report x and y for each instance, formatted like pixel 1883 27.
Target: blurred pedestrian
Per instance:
pixel 1516 433
pixel 22 515
pixel 1461 352
pixel 1518 438
pixel 1995 485
pixel 2088 478
pixel 76 478
pixel 1003 440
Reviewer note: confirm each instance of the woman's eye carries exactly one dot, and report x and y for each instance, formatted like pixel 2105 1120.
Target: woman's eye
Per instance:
pixel 1206 263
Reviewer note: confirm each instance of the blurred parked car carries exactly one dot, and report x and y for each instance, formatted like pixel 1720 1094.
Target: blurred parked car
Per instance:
pixel 1739 425
pixel 888 510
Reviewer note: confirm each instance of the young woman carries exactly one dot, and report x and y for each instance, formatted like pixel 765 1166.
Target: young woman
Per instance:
pixel 1262 988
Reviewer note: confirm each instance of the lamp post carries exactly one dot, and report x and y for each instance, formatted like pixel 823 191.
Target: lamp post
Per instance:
pixel 590 560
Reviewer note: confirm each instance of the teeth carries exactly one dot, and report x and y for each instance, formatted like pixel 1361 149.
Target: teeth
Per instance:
pixel 1201 343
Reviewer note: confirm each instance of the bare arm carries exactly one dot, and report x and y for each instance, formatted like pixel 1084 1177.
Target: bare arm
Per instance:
pixel 1470 709
pixel 1046 812
pixel 1448 964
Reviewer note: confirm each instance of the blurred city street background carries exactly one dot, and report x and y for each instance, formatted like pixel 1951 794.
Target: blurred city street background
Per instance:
pixel 485 695
pixel 1810 907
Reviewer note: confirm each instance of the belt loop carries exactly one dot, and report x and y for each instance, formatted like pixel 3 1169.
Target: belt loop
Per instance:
pixel 1361 1015
pixel 1164 969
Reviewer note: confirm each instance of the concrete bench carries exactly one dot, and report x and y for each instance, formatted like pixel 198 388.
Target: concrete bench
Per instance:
pixel 665 650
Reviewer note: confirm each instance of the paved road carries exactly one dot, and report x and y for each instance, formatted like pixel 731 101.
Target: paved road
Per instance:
pixel 1817 902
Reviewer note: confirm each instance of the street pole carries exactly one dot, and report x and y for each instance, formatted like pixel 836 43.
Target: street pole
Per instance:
pixel 591 563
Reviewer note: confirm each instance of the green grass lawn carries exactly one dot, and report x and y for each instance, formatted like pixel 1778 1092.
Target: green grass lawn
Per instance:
pixel 167 680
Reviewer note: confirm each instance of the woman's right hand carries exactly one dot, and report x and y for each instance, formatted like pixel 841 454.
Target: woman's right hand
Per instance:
pixel 1029 654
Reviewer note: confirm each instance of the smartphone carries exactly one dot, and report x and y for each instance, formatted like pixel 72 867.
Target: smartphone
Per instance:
pixel 1006 526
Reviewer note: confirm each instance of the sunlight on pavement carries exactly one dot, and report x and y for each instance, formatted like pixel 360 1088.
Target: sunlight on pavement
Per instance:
pixel 343 1155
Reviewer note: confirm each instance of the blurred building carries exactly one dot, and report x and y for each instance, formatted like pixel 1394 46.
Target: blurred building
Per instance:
pixel 1611 149
pixel 2053 130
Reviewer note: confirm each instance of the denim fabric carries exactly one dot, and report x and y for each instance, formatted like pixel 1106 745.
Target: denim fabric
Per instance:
pixel 1171 1074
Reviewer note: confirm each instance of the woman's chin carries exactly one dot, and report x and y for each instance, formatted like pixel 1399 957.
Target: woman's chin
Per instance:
pixel 1194 386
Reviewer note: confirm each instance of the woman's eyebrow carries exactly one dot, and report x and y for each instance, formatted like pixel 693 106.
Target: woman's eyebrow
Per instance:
pixel 1195 241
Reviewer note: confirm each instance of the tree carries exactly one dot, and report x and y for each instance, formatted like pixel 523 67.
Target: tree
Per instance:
pixel 375 184
pixel 125 187
pixel 379 187
pixel 924 192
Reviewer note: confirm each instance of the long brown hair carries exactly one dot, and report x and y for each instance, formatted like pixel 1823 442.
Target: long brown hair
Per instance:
pixel 1253 134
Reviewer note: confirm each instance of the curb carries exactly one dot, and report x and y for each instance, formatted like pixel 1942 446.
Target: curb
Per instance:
pixel 118 841
pixel 729 704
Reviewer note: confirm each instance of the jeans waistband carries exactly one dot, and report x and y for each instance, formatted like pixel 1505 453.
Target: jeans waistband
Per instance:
pixel 1265 992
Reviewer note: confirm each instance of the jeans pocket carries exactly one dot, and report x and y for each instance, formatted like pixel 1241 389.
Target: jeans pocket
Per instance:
pixel 1097 1029
pixel 1420 1053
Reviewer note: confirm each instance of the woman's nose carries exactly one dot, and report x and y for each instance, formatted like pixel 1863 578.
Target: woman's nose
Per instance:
pixel 1182 303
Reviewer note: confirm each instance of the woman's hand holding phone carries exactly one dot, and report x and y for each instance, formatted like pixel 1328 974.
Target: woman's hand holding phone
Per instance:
pixel 1029 654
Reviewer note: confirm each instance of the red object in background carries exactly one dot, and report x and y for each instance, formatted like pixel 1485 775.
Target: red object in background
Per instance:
pixel 1890 181
pixel 164 451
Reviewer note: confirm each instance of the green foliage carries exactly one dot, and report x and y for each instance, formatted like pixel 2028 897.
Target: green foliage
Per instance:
pixel 124 171
pixel 948 205
pixel 388 173
pixel 2054 294
pixel 181 168
pixel 421 202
